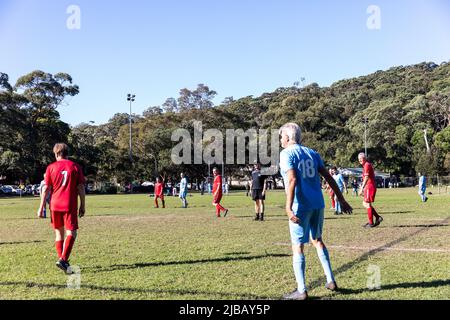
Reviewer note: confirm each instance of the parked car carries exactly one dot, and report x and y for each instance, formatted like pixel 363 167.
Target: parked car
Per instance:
pixel 17 191
pixel 8 190
pixel 35 189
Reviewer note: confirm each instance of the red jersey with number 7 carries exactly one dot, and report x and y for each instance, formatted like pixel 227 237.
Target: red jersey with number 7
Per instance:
pixel 64 177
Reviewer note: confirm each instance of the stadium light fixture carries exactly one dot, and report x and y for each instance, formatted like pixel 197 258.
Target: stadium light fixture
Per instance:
pixel 131 98
pixel 365 135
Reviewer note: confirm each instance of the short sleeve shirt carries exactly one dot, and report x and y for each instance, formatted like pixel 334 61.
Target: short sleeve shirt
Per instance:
pixel 64 177
pixel 306 164
pixel 258 180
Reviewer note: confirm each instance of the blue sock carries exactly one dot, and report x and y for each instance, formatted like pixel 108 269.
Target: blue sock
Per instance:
pixel 326 264
pixel 299 264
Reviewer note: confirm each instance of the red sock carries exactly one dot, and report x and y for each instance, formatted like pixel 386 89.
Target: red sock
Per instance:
pixel 218 210
pixel 333 204
pixel 370 214
pixel 68 244
pixel 59 247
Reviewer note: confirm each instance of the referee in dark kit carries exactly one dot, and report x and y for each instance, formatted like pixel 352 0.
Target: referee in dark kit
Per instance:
pixel 258 189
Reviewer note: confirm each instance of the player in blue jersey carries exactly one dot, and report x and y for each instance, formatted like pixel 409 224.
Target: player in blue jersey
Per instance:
pixel 183 190
pixel 423 187
pixel 301 169
pixel 342 186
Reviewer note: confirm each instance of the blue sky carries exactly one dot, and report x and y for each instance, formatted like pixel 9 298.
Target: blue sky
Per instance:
pixel 236 47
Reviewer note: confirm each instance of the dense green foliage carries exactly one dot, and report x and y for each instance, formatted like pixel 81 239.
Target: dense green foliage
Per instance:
pixel 400 104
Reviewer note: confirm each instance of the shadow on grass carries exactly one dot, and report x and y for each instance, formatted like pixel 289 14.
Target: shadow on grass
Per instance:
pixel 20 242
pixel 337 217
pixel 115 267
pixel 406 285
pixel 21 218
pixel 225 295
pixel 346 267
pixel 420 226
pixel 236 253
pixel 395 212
pixel 265 216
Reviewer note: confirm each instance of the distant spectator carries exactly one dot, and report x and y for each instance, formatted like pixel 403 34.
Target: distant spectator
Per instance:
pixel 423 187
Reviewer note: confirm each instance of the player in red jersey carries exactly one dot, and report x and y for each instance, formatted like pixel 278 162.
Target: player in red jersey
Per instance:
pixel 369 189
pixel 65 180
pixel 159 192
pixel 331 192
pixel 217 193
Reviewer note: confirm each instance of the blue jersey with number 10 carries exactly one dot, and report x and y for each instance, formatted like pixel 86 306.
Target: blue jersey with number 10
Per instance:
pixel 306 163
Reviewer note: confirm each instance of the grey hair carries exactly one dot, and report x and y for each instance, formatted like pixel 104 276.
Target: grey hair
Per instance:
pixel 293 131
pixel 362 154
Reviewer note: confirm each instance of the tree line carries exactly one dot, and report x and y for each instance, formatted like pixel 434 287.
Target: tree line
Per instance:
pixel 400 104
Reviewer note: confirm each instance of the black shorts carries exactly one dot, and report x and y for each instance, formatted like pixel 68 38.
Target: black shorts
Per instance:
pixel 257 195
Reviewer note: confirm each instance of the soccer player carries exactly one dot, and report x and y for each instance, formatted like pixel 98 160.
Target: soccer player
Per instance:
pixel 47 201
pixel 331 193
pixel 342 186
pixel 183 190
pixel 159 192
pixel 423 187
pixel 217 193
pixel 64 179
pixel 355 187
pixel 369 189
pixel 301 169
pixel 247 188
pixel 258 189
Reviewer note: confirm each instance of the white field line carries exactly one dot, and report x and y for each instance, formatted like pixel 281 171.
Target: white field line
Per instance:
pixel 377 248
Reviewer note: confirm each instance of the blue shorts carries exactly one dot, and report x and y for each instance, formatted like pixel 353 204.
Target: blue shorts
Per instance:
pixel 311 225
pixel 183 195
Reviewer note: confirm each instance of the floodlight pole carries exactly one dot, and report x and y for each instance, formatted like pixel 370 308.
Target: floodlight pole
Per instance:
pixel 365 135
pixel 426 140
pixel 131 98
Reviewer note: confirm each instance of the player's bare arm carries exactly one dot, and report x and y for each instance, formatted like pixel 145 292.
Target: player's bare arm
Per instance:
pixel 333 185
pixel 264 188
pixel 291 183
pixel 82 195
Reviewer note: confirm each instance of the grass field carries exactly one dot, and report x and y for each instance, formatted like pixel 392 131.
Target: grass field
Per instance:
pixel 127 249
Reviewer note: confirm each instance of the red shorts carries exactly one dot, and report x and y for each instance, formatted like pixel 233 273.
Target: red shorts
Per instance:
pixel 64 219
pixel 369 194
pixel 217 198
pixel 159 196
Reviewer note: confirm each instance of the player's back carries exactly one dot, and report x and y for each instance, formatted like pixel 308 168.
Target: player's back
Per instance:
pixel 306 163
pixel 339 180
pixel 63 177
